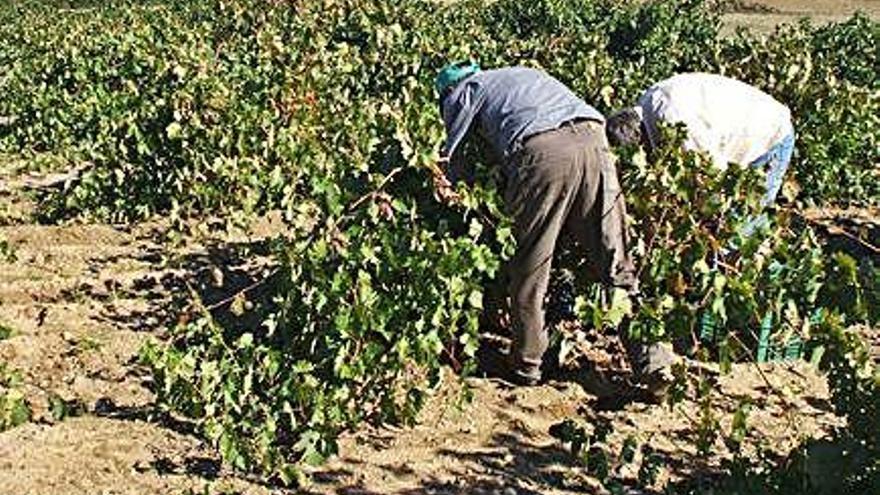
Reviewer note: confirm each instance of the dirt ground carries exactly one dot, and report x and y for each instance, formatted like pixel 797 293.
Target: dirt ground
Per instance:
pixel 82 299
pixel 765 15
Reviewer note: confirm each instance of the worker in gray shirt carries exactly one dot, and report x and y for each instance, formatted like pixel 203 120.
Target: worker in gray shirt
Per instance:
pixel 559 175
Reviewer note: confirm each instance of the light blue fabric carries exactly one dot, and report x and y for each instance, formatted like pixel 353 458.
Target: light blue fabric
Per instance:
pixel 775 161
pixel 509 105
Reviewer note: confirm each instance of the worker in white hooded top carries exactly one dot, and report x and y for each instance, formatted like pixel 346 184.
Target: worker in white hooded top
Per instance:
pixel 729 120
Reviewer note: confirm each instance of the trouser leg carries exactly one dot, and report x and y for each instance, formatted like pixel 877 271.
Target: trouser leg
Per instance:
pixel 775 162
pixel 598 220
pixel 564 179
pixel 776 168
pixel 538 198
pixel 598 215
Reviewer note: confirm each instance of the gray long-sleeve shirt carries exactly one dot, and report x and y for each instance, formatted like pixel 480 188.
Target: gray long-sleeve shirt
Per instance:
pixel 509 105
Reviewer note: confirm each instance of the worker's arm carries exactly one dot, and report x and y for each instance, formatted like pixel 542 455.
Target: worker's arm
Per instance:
pixel 459 112
pixel 460 109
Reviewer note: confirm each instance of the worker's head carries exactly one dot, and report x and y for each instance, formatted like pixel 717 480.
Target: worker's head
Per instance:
pixel 624 127
pixel 452 74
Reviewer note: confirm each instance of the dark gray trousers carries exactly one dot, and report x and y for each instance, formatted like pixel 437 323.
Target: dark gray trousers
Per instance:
pixel 562 179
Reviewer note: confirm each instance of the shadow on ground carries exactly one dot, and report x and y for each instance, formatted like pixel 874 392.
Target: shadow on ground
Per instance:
pixel 180 284
pixel 510 463
pixel 147 287
pixel 858 237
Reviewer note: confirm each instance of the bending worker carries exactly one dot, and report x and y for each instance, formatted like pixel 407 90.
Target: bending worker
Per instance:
pixel 729 120
pixel 559 175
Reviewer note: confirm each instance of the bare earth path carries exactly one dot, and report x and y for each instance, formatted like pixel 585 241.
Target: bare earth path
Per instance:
pixel 765 15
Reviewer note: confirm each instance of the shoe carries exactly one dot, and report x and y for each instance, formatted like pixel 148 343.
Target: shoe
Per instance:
pixel 657 385
pixel 524 376
pixel 495 363
pixel 652 365
pixel 659 357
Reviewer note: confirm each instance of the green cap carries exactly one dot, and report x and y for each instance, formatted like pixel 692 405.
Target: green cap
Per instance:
pixel 453 73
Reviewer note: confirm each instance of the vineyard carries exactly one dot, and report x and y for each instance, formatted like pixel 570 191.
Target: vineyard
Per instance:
pixel 246 188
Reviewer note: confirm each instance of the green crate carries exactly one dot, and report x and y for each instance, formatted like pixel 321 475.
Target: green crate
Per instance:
pixel 792 350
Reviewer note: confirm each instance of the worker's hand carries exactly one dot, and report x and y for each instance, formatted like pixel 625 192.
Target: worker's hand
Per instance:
pixel 443 189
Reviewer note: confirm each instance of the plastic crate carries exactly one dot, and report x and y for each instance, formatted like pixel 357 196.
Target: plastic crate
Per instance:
pixel 767 351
